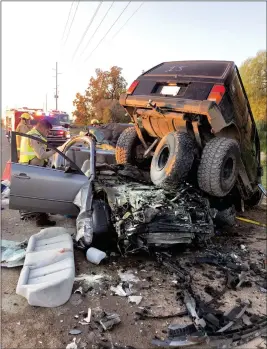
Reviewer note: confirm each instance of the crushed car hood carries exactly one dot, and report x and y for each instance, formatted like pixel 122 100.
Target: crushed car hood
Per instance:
pixel 150 215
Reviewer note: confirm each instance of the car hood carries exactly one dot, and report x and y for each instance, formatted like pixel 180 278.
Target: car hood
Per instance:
pixel 58 128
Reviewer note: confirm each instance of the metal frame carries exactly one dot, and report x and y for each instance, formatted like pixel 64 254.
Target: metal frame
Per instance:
pixel 89 139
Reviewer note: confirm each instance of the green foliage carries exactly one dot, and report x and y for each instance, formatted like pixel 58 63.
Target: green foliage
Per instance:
pixel 100 99
pixel 262 130
pixel 254 76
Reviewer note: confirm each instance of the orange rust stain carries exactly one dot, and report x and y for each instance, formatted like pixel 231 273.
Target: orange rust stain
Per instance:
pixel 170 166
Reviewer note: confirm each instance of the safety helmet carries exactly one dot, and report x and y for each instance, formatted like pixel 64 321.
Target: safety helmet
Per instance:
pixel 94 122
pixel 25 116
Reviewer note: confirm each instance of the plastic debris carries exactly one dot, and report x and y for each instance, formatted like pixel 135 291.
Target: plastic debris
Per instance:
pixel 94 255
pixel 91 279
pixel 109 321
pixel 79 290
pixel 49 260
pixel 123 289
pixel 13 253
pixel 75 332
pixel 88 318
pixel 135 299
pixel 72 345
pixel 191 307
pixel 128 276
pixel 84 221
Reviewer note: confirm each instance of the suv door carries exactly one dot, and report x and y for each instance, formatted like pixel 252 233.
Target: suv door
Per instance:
pixel 43 189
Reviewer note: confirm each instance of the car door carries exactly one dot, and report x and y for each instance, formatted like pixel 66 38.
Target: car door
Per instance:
pixel 43 189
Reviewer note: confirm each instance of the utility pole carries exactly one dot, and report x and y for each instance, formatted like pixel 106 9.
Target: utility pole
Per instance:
pixel 56 94
pixel 46 102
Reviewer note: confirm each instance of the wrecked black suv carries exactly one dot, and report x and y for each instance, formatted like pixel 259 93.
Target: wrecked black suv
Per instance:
pixel 193 120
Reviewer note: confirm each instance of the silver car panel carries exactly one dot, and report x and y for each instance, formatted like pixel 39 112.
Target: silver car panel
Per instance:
pixel 43 189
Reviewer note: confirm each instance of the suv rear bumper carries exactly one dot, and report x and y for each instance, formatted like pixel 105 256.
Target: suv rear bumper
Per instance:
pixel 208 108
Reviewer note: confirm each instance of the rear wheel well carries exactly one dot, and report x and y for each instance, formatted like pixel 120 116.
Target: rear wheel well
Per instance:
pixel 230 132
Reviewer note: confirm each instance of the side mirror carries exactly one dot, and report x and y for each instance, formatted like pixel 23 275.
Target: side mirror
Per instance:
pixel 66 126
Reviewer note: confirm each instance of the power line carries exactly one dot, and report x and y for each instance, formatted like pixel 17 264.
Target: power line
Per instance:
pixel 108 31
pixel 87 28
pixel 97 28
pixel 67 21
pixel 127 20
pixel 78 2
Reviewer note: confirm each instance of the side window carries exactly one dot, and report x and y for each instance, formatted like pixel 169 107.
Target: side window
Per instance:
pixel 14 151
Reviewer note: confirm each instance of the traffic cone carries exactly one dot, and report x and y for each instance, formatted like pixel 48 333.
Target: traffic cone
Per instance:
pixel 7 172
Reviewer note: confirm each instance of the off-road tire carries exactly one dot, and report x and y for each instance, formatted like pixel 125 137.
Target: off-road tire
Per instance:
pixel 172 160
pixel 125 152
pixel 126 142
pixel 218 168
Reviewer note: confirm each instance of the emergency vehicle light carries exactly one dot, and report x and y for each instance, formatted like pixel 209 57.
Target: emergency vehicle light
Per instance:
pixel 216 93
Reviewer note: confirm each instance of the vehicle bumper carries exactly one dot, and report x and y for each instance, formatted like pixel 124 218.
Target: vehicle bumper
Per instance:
pixel 171 104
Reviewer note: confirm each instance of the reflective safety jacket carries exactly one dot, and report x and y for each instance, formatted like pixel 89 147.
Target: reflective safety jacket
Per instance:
pixel 26 151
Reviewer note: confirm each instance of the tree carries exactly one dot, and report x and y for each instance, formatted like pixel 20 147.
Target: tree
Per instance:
pixel 117 83
pixel 101 97
pixel 254 76
pixel 83 112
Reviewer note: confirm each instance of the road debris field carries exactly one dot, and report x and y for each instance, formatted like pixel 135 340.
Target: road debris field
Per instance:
pixel 209 293
pixel 139 266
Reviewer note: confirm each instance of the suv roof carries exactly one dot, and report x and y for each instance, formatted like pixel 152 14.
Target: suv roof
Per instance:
pixel 191 70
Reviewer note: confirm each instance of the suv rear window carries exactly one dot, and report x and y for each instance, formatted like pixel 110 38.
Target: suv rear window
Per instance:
pixel 194 69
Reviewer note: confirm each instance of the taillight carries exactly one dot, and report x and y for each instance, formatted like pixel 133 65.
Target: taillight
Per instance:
pixel 216 94
pixel 132 87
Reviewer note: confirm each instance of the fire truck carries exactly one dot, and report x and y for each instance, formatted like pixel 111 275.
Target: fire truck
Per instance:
pixel 60 122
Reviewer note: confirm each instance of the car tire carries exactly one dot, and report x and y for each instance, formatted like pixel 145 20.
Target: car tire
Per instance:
pixel 218 168
pixel 126 146
pixel 172 160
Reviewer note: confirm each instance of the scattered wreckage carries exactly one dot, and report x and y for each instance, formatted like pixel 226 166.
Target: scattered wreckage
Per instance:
pixel 103 198
pixel 118 201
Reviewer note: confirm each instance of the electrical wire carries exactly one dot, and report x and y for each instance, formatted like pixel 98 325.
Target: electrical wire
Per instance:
pixel 87 28
pixel 78 2
pixel 127 20
pixel 108 31
pixel 67 21
pixel 97 28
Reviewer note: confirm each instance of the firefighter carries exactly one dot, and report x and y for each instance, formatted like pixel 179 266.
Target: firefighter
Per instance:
pixel 35 153
pixel 23 127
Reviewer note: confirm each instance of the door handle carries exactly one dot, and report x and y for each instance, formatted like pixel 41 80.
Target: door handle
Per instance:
pixel 22 176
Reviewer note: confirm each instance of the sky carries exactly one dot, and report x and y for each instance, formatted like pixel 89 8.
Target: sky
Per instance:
pixel 32 42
